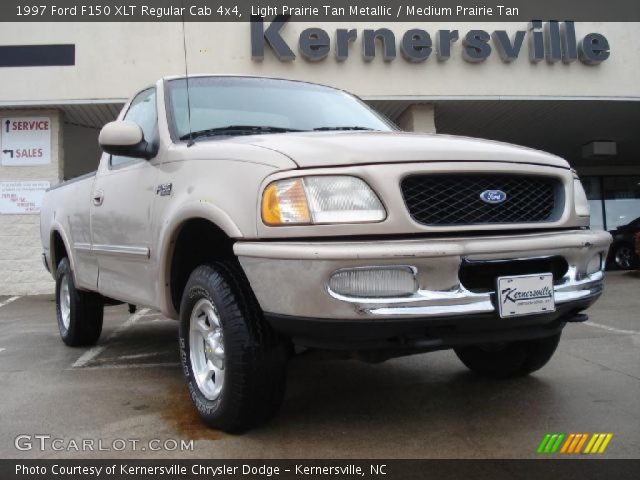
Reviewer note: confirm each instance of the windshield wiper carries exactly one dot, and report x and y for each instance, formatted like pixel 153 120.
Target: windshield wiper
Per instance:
pixel 327 129
pixel 236 130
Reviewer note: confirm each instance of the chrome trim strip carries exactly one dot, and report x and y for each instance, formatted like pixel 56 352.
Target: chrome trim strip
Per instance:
pixel 459 301
pixel 82 247
pixel 121 250
pixel 115 250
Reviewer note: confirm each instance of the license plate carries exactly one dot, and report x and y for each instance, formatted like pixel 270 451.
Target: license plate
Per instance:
pixel 525 295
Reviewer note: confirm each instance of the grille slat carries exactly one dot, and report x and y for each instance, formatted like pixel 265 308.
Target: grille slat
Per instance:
pixel 454 199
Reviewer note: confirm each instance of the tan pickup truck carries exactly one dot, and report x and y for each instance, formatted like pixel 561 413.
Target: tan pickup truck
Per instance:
pixel 263 213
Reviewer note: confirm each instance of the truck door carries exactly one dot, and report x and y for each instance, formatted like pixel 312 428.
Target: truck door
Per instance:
pixel 122 211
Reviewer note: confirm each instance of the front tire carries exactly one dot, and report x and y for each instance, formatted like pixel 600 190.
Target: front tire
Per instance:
pixel 233 362
pixel 79 313
pixel 508 360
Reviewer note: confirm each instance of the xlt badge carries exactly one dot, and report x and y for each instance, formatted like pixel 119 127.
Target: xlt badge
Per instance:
pixel 164 189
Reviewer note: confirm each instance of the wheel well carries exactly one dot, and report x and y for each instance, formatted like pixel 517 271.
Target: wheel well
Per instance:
pixel 198 242
pixel 58 250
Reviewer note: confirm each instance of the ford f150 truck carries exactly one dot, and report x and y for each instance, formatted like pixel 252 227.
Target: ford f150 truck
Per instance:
pixel 264 213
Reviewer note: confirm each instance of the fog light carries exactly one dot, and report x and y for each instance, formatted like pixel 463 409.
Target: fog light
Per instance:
pixel 373 282
pixel 594 265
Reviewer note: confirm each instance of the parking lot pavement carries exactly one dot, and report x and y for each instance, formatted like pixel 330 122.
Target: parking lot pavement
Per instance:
pixel 425 406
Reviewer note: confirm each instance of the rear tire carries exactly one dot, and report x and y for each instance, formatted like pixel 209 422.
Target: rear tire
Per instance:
pixel 233 362
pixel 79 313
pixel 508 360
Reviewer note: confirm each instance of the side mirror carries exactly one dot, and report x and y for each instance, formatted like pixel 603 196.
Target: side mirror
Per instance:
pixel 125 138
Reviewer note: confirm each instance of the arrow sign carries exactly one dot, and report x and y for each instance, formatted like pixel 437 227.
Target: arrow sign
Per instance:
pixel 25 140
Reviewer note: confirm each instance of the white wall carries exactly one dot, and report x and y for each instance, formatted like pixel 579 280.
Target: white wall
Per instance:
pixel 115 59
pixel 21 268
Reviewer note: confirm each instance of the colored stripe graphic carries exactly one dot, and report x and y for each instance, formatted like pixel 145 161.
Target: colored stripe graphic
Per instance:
pixel 556 445
pixel 543 443
pixel 590 444
pixel 605 443
pixel 565 447
pixel 573 443
pixel 598 443
pixel 581 443
pixel 550 443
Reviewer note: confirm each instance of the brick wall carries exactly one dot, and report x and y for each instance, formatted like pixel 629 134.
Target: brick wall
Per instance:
pixel 21 269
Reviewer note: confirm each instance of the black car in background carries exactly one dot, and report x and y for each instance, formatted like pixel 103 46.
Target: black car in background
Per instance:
pixel 622 254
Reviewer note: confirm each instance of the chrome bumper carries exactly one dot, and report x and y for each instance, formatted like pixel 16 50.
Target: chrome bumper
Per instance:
pixel 292 278
pixel 427 303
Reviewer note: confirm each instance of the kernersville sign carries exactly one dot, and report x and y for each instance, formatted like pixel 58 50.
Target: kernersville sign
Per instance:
pixel 553 41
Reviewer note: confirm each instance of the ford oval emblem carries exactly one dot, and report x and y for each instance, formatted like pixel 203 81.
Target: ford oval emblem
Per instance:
pixel 493 196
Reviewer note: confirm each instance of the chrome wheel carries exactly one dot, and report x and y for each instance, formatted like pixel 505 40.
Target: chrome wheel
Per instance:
pixel 206 345
pixel 65 301
pixel 624 257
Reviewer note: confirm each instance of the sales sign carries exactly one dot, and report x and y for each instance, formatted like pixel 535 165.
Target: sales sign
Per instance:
pixel 22 198
pixel 25 141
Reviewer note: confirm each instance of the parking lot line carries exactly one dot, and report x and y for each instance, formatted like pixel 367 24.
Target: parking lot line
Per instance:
pixel 89 355
pixel 612 329
pixel 8 301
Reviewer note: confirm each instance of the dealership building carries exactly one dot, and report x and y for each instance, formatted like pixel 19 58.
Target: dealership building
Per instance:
pixel 568 88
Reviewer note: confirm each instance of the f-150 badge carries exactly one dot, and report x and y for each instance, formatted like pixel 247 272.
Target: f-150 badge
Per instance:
pixel 164 189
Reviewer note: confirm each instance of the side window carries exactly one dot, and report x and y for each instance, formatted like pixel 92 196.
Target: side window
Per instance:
pixel 143 112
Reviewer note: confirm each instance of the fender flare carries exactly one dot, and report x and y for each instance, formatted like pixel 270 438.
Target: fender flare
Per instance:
pixel 168 233
pixel 56 228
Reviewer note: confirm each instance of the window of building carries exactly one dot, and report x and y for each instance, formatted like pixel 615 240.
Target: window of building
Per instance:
pixel 621 200
pixel 593 188
pixel 614 200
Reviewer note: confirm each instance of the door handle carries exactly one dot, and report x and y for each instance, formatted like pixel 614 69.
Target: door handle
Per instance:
pixel 98 198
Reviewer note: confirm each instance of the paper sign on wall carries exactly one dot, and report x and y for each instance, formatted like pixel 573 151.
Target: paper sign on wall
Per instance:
pixel 25 141
pixel 22 197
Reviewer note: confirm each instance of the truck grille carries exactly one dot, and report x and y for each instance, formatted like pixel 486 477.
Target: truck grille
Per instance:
pixel 454 199
pixel 480 276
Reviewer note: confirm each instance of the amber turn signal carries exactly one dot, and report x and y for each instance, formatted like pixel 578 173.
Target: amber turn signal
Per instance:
pixel 285 202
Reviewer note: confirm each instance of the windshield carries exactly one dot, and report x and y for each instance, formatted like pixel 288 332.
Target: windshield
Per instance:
pixel 277 105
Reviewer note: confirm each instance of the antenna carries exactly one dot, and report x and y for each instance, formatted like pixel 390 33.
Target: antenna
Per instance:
pixel 186 74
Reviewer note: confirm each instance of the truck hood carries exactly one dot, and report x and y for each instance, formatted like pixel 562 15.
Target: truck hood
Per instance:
pixel 328 149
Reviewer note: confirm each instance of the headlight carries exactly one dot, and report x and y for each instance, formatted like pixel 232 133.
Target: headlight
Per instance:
pixel 580 199
pixel 321 199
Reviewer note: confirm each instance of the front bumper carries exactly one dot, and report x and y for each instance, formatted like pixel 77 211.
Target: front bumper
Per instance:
pixel 290 279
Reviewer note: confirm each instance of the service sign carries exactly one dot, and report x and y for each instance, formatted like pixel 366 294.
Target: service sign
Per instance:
pixel 25 141
pixel 22 198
